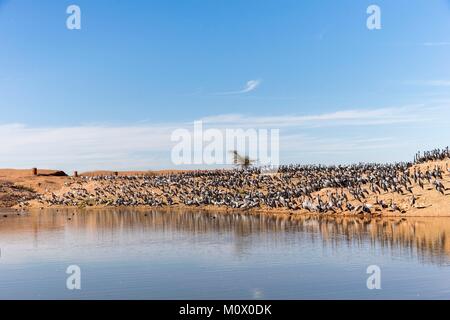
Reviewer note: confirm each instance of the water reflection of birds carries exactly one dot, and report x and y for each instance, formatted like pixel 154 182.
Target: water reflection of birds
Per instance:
pixel 319 189
pixel 426 238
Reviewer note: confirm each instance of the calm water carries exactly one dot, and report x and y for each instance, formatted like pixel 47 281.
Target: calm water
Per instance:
pixel 160 255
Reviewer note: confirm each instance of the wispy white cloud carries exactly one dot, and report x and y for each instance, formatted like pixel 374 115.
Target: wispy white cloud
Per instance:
pixel 250 86
pixel 311 144
pixel 84 147
pixel 436 44
pixel 345 117
pixel 148 145
pixel 428 83
pixel 438 83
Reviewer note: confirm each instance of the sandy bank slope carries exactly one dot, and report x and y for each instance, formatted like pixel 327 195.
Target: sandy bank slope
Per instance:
pixel 19 186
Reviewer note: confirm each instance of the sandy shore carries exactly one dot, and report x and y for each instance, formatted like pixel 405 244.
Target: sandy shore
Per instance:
pixel 19 189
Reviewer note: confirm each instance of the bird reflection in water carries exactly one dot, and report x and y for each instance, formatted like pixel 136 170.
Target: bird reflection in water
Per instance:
pixel 426 238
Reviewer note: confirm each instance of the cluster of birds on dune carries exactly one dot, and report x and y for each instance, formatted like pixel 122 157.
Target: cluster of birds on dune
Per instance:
pixel 433 155
pixel 314 188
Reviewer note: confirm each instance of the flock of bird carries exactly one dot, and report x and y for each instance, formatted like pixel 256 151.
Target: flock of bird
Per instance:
pixel 313 188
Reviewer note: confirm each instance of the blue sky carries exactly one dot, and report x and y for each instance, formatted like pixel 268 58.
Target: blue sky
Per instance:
pixel 146 67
